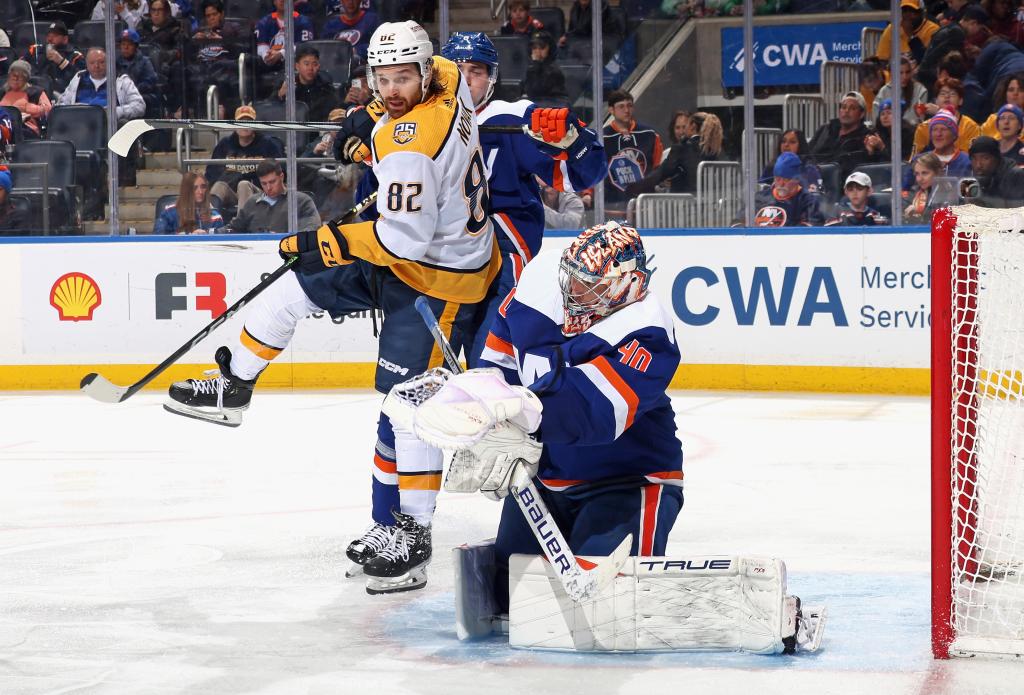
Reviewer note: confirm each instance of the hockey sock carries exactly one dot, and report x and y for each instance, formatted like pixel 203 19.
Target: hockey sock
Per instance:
pixel 385 474
pixel 269 326
pixel 419 475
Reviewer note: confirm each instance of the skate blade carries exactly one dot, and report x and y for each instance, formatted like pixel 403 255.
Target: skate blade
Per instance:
pixel 355 570
pixel 228 418
pixel 410 581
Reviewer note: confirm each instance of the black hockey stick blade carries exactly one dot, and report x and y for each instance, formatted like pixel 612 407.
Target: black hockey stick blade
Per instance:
pixel 122 141
pixel 102 389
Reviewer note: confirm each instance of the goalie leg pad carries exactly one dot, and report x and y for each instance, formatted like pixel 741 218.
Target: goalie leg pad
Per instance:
pixel 713 603
pixel 475 605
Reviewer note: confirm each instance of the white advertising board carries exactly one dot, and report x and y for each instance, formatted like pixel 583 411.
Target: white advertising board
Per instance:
pixel 812 300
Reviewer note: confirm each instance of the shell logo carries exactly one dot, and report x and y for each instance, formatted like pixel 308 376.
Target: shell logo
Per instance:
pixel 75 296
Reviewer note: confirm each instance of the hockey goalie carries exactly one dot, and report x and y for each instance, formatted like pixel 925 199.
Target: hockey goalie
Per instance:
pixel 572 428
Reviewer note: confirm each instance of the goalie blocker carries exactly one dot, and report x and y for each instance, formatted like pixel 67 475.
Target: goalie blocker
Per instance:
pixel 656 604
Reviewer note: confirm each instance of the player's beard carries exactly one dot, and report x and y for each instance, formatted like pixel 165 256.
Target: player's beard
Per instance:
pixel 398 106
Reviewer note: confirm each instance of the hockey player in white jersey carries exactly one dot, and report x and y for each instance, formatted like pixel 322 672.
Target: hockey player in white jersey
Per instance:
pixel 433 239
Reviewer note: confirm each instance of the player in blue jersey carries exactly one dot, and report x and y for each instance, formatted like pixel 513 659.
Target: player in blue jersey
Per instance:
pixel 596 352
pixel 512 161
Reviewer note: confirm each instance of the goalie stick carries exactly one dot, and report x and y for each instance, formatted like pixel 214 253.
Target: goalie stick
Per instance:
pixel 102 389
pixel 580 584
pixel 121 142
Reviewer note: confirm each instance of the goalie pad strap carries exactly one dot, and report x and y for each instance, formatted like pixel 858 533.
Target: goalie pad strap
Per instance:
pixel 712 603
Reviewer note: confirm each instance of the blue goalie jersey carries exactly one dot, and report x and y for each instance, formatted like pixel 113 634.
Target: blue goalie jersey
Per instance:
pixel 607 418
pixel 512 161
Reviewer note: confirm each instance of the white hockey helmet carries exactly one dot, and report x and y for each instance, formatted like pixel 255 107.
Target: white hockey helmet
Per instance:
pixel 395 43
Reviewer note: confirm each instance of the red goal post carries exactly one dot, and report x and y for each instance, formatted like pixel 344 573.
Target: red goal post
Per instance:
pixel 977 424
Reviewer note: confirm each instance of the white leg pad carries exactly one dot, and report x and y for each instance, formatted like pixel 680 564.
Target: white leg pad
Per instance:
pixel 712 603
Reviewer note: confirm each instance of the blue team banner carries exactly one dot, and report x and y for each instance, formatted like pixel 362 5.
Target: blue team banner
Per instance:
pixel 791 53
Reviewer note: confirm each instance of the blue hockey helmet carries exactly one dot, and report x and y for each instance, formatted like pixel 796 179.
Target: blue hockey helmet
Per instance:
pixel 473 47
pixel 602 271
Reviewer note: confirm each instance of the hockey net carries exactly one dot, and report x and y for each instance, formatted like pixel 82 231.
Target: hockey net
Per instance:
pixel 978 432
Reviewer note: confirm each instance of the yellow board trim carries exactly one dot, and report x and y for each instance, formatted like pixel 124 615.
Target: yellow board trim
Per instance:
pixel 740 377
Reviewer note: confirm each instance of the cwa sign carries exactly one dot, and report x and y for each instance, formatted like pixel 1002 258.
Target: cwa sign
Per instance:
pixel 790 53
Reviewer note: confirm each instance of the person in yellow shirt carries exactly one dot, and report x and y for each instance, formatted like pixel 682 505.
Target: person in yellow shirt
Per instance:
pixel 1009 91
pixel 950 96
pixel 916 32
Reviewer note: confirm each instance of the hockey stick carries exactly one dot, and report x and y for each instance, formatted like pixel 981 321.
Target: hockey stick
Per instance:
pixel 122 141
pixel 580 584
pixel 102 389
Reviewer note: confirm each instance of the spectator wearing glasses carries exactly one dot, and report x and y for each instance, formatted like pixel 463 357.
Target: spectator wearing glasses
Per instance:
pixel 31 101
pixel 1010 125
pixel 161 29
pixel 949 98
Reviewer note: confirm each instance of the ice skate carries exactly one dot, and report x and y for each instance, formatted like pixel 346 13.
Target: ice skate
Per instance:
pixel 367 546
pixel 221 398
pixel 402 566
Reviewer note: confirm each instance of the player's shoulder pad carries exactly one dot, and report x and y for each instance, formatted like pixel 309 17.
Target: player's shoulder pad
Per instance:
pixel 428 126
pixel 538 285
pixel 497 108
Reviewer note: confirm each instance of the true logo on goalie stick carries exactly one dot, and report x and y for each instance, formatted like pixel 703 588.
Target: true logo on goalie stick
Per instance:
pixel 682 565
pixel 75 296
pixel 404 133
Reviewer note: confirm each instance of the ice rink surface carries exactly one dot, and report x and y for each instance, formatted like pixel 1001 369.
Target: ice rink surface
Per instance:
pixel 142 552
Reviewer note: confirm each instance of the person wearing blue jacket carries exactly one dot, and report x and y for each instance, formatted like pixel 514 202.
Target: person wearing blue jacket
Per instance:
pixel 193 212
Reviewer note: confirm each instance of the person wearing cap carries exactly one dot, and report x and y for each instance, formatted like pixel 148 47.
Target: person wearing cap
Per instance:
pixel 56 59
pixel 311 88
pixel 13 222
pixel 1000 182
pixel 235 183
pixel 949 98
pixel 842 136
pixel 853 210
pixel 130 11
pixel 878 142
pixel 1010 125
pixel 916 32
pixel 137 65
pixel 544 79
pixel 352 23
pixel 912 93
pixel 31 101
pixel 787 203
pixel 943 141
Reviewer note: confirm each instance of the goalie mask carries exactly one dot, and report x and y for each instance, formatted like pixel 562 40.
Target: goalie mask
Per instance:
pixel 395 43
pixel 474 47
pixel 602 271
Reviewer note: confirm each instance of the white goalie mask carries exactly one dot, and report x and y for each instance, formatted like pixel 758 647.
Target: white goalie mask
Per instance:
pixel 395 43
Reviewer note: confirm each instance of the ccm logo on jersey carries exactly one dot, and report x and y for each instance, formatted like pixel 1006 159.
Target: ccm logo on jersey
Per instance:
pixel 667 565
pixel 540 524
pixel 168 301
pixel 392 367
pixel 404 133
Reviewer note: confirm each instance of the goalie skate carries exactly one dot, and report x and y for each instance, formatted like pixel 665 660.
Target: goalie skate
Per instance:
pixel 221 399
pixel 402 566
pixel 810 626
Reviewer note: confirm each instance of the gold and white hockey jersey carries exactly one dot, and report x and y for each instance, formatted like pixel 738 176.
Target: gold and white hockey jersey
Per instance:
pixel 434 231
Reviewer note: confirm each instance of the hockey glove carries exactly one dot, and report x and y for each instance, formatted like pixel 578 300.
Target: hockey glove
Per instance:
pixel 317 250
pixel 506 457
pixel 357 125
pixel 555 130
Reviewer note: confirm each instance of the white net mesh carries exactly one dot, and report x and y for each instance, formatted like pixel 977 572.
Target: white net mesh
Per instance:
pixel 988 429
